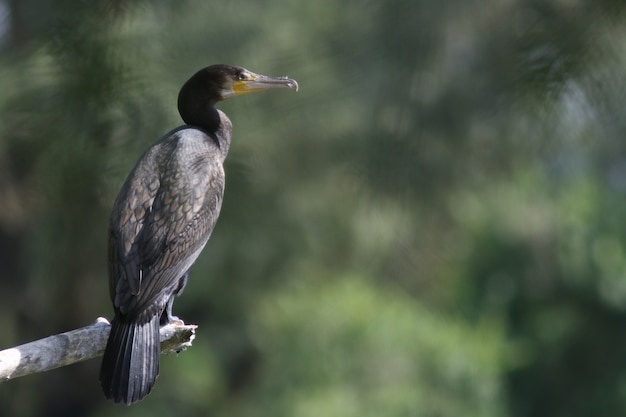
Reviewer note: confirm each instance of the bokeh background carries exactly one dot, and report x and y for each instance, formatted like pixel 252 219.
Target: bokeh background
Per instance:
pixel 433 226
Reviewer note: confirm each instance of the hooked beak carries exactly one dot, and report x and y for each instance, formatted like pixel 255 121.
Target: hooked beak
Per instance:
pixel 250 82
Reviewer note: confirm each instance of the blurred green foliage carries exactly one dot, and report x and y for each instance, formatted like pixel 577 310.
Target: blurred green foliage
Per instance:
pixel 433 226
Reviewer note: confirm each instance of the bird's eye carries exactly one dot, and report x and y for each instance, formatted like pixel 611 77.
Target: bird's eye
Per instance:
pixel 242 76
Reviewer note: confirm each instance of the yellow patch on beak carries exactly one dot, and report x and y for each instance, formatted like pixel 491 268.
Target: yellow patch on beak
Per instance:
pixel 242 87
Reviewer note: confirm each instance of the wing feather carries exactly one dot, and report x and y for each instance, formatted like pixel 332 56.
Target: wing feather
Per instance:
pixel 162 219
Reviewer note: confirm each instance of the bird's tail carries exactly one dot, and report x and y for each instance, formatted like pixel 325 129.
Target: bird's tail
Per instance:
pixel 130 364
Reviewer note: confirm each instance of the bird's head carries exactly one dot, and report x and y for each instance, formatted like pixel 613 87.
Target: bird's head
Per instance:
pixel 218 82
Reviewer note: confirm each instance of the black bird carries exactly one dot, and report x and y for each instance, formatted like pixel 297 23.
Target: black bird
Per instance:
pixel 161 220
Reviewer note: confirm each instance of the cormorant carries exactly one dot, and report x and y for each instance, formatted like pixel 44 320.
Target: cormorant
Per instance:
pixel 161 220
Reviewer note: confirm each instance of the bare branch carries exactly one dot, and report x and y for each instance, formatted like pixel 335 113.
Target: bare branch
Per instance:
pixel 79 345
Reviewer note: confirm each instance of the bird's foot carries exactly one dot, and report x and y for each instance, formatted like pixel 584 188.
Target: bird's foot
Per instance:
pixel 170 319
pixel 175 320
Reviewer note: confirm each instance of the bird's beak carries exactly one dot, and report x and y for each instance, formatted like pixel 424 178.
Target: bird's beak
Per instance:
pixel 256 82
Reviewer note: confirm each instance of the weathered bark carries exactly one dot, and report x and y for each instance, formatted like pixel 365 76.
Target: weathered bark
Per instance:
pixel 79 345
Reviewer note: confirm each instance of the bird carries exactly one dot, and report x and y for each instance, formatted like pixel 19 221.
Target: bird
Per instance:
pixel 161 220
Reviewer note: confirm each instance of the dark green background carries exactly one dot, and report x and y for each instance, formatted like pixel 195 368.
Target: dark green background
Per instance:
pixel 434 225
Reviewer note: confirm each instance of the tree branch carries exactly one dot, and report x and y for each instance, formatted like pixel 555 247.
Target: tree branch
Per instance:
pixel 79 345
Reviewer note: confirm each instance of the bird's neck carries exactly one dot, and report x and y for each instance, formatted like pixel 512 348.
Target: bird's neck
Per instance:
pixel 208 118
pixel 223 133
pixel 214 122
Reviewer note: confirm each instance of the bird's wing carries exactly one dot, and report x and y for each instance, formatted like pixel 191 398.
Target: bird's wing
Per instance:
pixel 167 227
pixel 131 208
